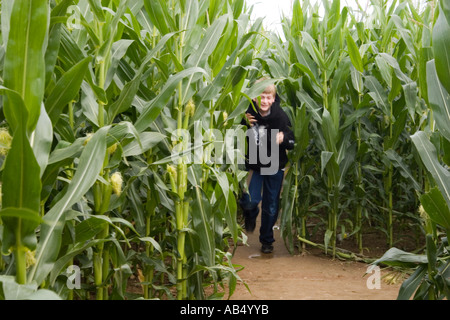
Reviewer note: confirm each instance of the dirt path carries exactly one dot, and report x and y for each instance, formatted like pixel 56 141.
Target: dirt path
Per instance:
pixel 313 276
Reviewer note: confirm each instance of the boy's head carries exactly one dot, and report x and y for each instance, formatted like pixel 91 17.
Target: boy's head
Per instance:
pixel 270 89
pixel 267 97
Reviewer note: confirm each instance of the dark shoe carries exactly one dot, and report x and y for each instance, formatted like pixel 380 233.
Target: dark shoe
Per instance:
pixel 267 248
pixel 250 224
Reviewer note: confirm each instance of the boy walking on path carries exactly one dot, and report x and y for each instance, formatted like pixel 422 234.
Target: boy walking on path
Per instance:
pixel 269 138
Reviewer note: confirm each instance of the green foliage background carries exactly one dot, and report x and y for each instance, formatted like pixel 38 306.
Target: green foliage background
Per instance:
pixel 94 93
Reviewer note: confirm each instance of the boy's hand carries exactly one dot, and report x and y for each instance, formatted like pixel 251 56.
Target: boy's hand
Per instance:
pixel 251 119
pixel 280 137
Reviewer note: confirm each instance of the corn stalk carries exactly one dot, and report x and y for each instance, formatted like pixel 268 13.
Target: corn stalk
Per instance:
pixel 24 76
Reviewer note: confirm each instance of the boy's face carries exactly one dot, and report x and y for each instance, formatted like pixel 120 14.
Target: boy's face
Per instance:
pixel 267 99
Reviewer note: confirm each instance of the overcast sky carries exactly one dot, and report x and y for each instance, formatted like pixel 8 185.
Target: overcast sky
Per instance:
pixel 272 10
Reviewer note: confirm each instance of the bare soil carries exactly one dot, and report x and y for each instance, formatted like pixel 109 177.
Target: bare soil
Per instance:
pixel 307 276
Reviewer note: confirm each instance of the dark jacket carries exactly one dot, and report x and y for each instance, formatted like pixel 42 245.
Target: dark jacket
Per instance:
pixel 277 119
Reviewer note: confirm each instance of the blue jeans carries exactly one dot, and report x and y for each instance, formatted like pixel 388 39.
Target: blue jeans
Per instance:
pixel 270 185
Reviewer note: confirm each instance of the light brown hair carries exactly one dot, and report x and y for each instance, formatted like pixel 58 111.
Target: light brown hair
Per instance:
pixel 270 89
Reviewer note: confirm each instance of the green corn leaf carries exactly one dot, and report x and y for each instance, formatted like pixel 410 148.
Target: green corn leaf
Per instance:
pixel 147 140
pixel 151 54
pixel 237 8
pixel 96 6
pixel 112 29
pixel 399 163
pixel 90 164
pixel 213 7
pixel 341 75
pixel 154 108
pixel 333 13
pixel 5 20
pixel 231 215
pixel 66 151
pixel 297 19
pixel 445 7
pixel 313 50
pixel 15 111
pixel 436 207
pixel 51 55
pixel 199 57
pixel 223 182
pixel 21 183
pixel 327 238
pixel 410 285
pixel 66 90
pixel 385 71
pixel 446 151
pixel 88 229
pixel 77 249
pixel 346 161
pixel 354 54
pixel 324 159
pixel 227 209
pixel 126 98
pixel 330 131
pixel 277 70
pixel 158 14
pixel 42 140
pixel 118 51
pixel 22 213
pixel 393 63
pixel 225 47
pixel 329 161
pixel 405 34
pixel 154 243
pixel 70 52
pixel 304 59
pixel 11 290
pixel 89 104
pixel 397 128
pixel 426 54
pixel 201 210
pixel 411 92
pixel 209 92
pixel 288 201
pixel 441 49
pixel 439 100
pixel 24 65
pixel 21 193
pixel 54 39
pixel 397 257
pixel 429 157
pixel 377 93
pixel 312 105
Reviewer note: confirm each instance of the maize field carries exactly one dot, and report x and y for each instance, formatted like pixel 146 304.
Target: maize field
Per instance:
pixel 97 96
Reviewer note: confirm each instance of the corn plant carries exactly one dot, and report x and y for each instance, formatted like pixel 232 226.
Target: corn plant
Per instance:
pixel 102 102
pixel 430 279
pixel 24 90
pixel 360 85
pixel 317 62
pixel 115 81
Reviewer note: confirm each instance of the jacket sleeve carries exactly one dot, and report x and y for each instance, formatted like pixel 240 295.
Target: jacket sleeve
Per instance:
pixel 244 121
pixel 289 138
